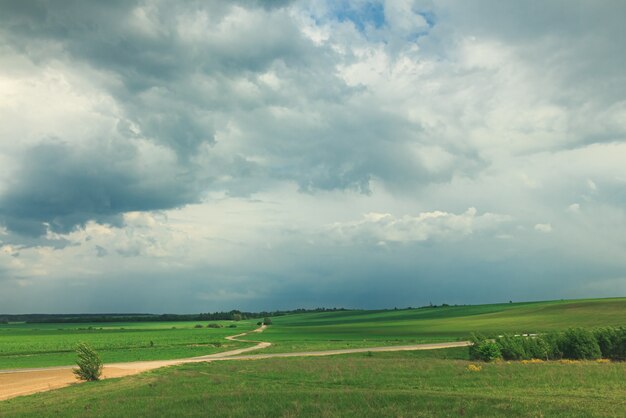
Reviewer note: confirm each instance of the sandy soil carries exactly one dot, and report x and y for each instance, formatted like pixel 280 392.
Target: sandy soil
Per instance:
pixel 21 382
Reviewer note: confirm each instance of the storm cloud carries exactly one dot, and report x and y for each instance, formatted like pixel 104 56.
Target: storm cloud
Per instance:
pixel 311 148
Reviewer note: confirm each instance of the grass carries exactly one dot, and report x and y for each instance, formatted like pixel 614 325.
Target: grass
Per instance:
pixel 39 345
pixel 346 329
pixel 433 383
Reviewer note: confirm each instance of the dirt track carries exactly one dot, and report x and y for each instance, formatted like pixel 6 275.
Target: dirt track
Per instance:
pixel 20 382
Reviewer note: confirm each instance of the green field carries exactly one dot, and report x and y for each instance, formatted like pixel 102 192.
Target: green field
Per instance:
pixel 39 345
pixel 420 383
pixel 345 329
pixel 430 383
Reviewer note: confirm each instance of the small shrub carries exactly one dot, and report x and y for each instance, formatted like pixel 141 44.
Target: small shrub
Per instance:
pixel 232 326
pixel 267 321
pixel 89 363
pixel 214 326
pixel 259 323
pixel 483 349
pixel 198 326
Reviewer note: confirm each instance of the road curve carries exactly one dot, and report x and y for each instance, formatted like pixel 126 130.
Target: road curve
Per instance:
pixel 19 382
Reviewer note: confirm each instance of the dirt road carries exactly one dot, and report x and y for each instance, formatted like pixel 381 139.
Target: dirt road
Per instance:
pixel 20 382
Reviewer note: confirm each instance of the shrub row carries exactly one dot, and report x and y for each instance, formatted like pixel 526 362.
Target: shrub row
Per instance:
pixel 575 344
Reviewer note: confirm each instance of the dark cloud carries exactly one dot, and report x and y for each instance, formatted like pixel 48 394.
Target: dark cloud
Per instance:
pixel 59 187
pixel 155 49
pixel 180 72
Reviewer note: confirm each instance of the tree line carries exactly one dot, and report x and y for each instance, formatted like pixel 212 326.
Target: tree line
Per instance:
pixel 573 344
pixel 235 315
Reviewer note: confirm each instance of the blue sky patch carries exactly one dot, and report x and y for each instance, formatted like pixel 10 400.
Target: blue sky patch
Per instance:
pixel 369 13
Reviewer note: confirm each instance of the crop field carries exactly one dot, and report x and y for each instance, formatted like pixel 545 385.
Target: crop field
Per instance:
pixel 428 383
pixel 39 345
pixel 347 329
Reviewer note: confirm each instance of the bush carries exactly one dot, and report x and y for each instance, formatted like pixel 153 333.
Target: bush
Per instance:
pixel 537 348
pixel 553 344
pixel 612 342
pixel 198 326
pixel 89 363
pixel 579 344
pixel 214 326
pixel 483 349
pixel 267 321
pixel 232 326
pixel 518 347
pixel 512 348
pixel 574 344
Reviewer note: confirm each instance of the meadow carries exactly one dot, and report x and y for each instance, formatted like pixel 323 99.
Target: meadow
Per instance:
pixel 420 383
pixel 39 345
pixel 416 384
pixel 352 329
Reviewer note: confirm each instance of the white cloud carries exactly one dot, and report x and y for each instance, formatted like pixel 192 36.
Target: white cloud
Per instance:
pixel 574 208
pixel 437 225
pixel 545 228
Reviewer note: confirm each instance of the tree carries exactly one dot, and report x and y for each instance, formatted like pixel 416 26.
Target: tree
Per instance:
pixel 267 321
pixel 89 363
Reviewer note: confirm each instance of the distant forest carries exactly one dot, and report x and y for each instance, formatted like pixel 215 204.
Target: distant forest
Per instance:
pixel 139 317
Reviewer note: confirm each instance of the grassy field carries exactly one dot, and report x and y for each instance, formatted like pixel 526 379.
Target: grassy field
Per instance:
pixel 39 345
pixel 346 329
pixel 435 383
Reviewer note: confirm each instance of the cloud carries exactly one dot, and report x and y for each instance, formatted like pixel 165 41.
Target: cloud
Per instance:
pixel 438 225
pixel 60 187
pixel 545 228
pixel 216 146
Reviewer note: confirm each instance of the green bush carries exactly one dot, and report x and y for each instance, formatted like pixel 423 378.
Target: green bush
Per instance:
pixel 579 344
pixel 483 349
pixel 89 363
pixel 519 347
pixel 537 347
pixel 575 344
pixel 267 321
pixel 512 348
pixel 612 342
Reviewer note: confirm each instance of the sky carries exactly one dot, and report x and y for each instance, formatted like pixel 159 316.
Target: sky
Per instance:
pixel 160 156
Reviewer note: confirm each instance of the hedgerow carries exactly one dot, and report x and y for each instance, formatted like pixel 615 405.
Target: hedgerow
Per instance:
pixel 573 344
